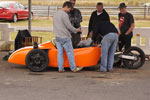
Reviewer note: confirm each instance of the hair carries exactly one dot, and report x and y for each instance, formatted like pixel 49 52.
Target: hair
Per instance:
pixel 99 4
pixel 68 4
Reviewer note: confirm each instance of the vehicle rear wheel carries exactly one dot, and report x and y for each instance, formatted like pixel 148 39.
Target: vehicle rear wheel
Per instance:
pixel 37 60
pixel 135 52
pixel 15 18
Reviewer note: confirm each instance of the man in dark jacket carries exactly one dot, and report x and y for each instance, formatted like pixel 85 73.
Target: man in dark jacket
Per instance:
pixel 108 45
pixel 75 18
pixel 99 15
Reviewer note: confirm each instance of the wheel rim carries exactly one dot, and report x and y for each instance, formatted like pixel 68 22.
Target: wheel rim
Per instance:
pixel 134 63
pixel 37 60
pixel 15 18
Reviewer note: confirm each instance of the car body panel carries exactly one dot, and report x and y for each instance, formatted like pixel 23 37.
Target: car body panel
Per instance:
pixel 84 57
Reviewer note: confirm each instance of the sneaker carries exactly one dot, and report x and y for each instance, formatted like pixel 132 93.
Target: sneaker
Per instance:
pixel 61 71
pixel 77 69
pixel 110 70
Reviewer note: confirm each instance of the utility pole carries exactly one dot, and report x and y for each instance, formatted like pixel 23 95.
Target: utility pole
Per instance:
pixel 30 15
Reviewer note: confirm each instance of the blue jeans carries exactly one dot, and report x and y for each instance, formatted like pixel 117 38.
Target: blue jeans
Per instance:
pixel 108 49
pixel 61 44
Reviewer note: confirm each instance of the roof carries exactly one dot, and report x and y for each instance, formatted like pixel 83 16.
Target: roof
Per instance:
pixel 8 1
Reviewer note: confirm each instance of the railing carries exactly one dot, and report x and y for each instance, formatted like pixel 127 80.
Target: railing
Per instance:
pixel 5 40
pixel 47 11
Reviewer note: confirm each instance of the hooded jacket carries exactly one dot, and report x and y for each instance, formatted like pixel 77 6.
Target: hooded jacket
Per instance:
pixel 97 18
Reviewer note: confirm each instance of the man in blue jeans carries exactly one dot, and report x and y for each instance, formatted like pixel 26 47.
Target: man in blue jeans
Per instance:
pixel 109 33
pixel 62 31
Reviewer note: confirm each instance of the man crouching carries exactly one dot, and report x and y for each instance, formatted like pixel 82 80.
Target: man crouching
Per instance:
pixel 62 29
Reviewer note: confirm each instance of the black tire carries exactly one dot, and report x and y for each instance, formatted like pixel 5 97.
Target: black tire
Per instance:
pixel 134 51
pixel 37 60
pixel 14 18
pixel 31 17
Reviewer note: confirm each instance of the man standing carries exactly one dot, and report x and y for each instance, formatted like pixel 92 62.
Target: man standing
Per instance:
pixel 108 45
pixel 75 18
pixel 99 15
pixel 62 29
pixel 126 26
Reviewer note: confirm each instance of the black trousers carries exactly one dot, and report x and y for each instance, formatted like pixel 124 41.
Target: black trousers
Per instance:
pixel 125 41
pixel 76 38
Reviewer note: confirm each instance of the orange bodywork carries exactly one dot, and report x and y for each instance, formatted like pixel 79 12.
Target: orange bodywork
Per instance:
pixel 84 57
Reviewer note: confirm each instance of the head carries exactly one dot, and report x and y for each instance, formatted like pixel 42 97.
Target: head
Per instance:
pixel 99 7
pixel 122 8
pixel 73 2
pixel 67 6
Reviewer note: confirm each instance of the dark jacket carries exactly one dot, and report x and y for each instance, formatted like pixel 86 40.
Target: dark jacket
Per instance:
pixel 97 18
pixel 20 38
pixel 103 28
pixel 75 17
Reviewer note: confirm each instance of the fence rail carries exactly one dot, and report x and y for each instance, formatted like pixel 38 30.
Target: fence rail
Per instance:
pixel 47 11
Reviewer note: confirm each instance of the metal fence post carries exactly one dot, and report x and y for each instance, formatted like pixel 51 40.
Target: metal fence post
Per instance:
pixel 56 8
pixel 29 13
pixel 145 12
pixel 148 10
pixel 48 11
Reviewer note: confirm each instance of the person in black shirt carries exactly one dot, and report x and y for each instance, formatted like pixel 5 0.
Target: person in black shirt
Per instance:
pixel 75 19
pixel 126 26
pixel 99 15
pixel 108 45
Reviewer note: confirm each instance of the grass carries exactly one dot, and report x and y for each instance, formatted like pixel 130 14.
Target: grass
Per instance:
pixel 36 22
pixel 46 36
pixel 85 2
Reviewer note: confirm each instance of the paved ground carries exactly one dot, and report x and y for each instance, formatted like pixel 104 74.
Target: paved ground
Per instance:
pixel 18 83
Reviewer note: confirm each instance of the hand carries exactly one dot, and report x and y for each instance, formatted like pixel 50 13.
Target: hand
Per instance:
pixel 98 45
pixel 94 44
pixel 90 34
pixel 119 34
pixel 79 30
pixel 126 33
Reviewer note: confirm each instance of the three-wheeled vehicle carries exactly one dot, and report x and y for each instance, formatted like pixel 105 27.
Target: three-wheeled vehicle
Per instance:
pixel 38 57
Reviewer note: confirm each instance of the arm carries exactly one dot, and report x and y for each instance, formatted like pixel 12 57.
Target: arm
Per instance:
pixel 130 29
pixel 119 31
pixel 67 23
pixel 131 21
pixel 107 17
pixel 90 25
pixel 95 33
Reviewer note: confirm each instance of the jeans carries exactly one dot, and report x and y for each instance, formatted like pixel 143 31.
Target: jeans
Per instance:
pixel 108 48
pixel 125 40
pixel 61 44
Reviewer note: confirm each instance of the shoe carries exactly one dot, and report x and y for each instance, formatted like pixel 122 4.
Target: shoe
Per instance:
pixel 77 69
pixel 110 70
pixel 103 72
pixel 61 71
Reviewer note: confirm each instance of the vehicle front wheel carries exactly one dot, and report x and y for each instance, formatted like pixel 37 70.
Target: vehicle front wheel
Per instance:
pixel 37 60
pixel 14 18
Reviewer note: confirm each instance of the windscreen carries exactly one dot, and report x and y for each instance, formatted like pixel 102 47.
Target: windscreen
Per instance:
pixel 4 5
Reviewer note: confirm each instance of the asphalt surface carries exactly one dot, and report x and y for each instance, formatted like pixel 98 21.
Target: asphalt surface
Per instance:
pixel 18 83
